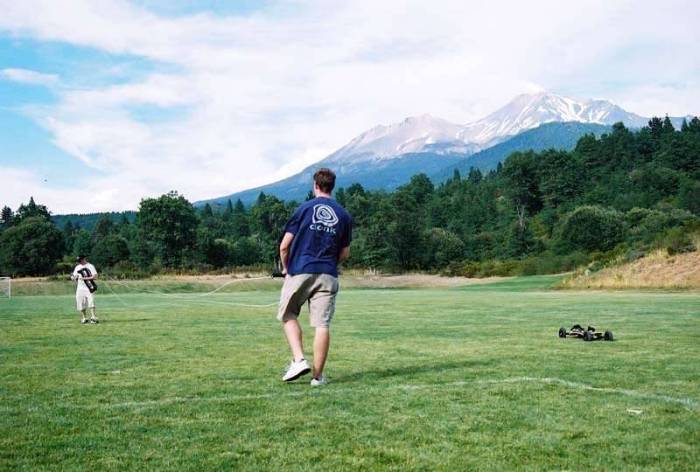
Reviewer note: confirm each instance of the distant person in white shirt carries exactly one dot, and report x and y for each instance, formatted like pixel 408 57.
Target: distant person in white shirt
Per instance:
pixel 85 274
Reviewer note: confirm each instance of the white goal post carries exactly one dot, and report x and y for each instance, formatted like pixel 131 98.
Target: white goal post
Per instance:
pixel 5 287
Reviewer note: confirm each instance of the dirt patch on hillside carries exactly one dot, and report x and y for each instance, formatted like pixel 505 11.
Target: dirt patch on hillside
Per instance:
pixel 656 270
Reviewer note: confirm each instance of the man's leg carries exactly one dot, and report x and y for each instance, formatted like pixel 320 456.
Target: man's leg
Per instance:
pixel 292 331
pixel 322 308
pixel 322 341
pixel 82 308
pixel 290 305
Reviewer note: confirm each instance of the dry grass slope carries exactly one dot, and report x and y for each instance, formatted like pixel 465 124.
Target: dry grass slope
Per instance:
pixel 656 270
pixel 235 283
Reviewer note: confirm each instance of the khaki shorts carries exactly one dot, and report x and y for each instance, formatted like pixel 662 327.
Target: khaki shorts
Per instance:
pixel 84 300
pixel 318 289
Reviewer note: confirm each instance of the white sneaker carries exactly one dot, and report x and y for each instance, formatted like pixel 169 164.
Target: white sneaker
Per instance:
pixel 322 380
pixel 296 370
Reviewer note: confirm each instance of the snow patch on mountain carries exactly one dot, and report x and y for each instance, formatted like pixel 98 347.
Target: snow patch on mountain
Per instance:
pixel 413 134
pixel 426 133
pixel 529 111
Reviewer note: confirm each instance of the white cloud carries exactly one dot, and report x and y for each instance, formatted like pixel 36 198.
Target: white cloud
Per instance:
pixel 28 76
pixel 19 184
pixel 253 99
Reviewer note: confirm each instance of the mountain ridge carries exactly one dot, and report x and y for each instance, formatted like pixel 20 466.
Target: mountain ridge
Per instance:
pixel 387 174
pixel 434 142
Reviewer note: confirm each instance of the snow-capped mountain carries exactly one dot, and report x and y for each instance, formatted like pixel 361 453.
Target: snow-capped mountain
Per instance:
pixel 388 155
pixel 426 133
pixel 414 134
pixel 531 110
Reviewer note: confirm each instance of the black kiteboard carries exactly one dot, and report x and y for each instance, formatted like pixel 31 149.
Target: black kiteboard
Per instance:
pixel 91 284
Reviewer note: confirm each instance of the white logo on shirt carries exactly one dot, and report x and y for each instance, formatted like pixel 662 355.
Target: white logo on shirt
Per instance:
pixel 324 215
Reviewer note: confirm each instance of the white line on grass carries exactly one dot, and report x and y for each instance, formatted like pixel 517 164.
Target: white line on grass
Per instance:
pixel 687 402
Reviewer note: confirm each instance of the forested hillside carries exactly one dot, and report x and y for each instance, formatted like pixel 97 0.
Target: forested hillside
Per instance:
pixel 619 195
pixel 89 220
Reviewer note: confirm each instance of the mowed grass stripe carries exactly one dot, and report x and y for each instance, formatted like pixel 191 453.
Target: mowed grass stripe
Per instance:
pixel 687 402
pixel 421 379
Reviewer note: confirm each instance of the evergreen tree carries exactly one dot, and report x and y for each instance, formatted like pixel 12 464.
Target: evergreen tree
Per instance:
pixel 228 212
pixel 267 220
pixel 340 197
pixel 520 241
pixel 689 196
pixel 31 210
pixel 656 127
pixel 561 177
pixel 667 126
pixel 475 176
pixel 239 221
pixel 103 228
pixel 694 126
pixel 404 230
pixel 522 183
pixel 69 232
pixel 6 217
pixel 420 187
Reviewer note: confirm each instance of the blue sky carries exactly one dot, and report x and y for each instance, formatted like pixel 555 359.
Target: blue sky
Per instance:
pixel 105 103
pixel 191 7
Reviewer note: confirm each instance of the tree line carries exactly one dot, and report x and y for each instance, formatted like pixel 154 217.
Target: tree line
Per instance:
pixel 618 195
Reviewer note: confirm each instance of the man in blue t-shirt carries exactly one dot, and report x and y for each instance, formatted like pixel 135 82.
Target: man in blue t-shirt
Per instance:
pixel 317 237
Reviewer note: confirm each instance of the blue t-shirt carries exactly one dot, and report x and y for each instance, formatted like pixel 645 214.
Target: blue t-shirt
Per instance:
pixel 321 228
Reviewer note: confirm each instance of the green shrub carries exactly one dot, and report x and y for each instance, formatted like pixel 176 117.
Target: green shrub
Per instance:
pixel 678 241
pixel 549 263
pixel 126 270
pixel 442 248
pixel 490 268
pixel 33 247
pixel 689 196
pixel 109 250
pixel 646 225
pixel 591 228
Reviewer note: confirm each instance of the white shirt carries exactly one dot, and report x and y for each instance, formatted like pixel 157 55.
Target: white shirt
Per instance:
pixel 81 283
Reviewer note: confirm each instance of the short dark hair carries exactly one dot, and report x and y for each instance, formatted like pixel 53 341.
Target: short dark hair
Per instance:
pixel 325 179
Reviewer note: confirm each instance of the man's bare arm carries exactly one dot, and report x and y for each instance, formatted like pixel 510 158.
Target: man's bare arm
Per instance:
pixel 284 250
pixel 344 254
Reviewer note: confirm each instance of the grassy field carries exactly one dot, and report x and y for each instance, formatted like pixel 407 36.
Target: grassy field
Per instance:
pixel 447 378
